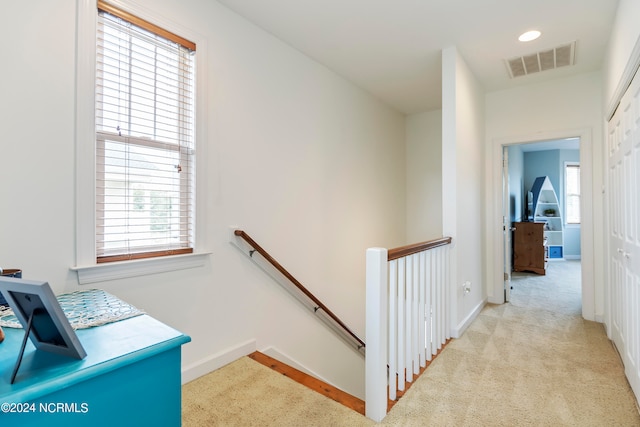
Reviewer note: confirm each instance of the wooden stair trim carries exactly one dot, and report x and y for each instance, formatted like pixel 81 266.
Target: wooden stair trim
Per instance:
pixel 328 390
pixel 312 383
pixel 407 384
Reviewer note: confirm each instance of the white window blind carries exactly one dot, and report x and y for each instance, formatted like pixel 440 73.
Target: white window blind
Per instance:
pixel 145 148
pixel 572 193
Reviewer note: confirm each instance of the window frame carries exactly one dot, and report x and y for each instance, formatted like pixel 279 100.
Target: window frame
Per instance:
pixel 565 169
pixel 89 271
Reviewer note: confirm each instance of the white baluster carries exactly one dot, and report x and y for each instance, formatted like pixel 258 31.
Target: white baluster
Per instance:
pixel 393 329
pixel 401 324
pixel 415 315
pixel 408 354
pixel 422 344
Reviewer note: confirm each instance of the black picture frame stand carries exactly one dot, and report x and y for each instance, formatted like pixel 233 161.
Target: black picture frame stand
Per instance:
pixel 27 331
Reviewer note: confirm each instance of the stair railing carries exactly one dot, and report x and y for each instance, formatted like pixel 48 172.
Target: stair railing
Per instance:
pixel 407 317
pixel 301 293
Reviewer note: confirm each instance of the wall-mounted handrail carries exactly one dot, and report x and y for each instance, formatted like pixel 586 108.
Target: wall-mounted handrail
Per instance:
pixel 317 304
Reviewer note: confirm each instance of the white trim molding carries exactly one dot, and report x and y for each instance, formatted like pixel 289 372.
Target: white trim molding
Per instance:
pixel 85 142
pixel 139 267
pixel 217 361
pixel 462 326
pixel 494 214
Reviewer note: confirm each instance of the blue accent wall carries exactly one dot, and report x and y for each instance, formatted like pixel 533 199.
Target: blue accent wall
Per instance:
pixel 543 163
pixel 551 163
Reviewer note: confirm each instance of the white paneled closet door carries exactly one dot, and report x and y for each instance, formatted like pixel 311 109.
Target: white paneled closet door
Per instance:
pixel 624 226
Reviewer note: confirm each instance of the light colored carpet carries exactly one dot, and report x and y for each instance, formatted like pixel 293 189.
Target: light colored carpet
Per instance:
pixel 246 393
pixel 531 362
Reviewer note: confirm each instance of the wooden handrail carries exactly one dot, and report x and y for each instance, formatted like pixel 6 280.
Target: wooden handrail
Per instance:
pixel 318 304
pixel 416 247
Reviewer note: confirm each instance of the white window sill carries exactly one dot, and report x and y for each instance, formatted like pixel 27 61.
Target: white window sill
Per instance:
pixel 141 267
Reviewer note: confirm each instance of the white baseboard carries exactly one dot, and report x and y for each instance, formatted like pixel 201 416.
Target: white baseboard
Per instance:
pixel 217 361
pixel 462 326
pixel 495 300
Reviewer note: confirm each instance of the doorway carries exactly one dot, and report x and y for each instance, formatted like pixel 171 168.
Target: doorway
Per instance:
pixel 558 291
pixel 523 165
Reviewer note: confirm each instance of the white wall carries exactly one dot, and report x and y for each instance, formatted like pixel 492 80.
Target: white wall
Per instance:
pixel 311 166
pixel 424 176
pixel 557 109
pixel 622 43
pixel 463 193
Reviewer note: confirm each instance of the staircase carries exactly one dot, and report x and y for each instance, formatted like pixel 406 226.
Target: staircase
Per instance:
pixel 312 383
pixel 407 321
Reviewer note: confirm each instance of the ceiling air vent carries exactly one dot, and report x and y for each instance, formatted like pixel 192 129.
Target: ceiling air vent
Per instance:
pixel 550 59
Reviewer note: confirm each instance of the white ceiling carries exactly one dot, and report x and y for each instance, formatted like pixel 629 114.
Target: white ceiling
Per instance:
pixel 556 144
pixel 391 48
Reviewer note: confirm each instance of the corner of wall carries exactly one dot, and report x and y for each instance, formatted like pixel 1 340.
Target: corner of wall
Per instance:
pixel 462 326
pixel 217 361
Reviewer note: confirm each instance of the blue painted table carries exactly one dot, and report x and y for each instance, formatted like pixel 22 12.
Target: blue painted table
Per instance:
pixel 130 377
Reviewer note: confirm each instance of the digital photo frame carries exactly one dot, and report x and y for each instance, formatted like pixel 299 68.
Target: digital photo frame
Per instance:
pixel 37 309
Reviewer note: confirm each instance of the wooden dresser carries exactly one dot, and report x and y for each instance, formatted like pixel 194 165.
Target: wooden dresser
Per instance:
pixel 130 377
pixel 529 247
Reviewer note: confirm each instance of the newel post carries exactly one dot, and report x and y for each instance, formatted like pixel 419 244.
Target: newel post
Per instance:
pixel 376 334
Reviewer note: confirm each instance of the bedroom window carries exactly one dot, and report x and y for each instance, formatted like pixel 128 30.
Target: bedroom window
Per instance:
pixel 572 192
pixel 145 139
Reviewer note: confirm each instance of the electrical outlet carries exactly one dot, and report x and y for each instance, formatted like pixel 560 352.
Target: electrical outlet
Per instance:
pixel 466 287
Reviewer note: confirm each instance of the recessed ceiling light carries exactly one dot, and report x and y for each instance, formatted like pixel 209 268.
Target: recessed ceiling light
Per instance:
pixel 529 35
